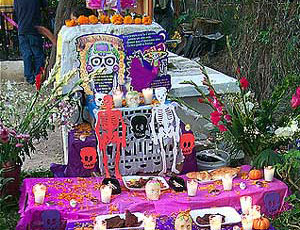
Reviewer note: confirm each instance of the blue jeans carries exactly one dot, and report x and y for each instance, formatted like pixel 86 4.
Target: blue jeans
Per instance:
pixel 31 47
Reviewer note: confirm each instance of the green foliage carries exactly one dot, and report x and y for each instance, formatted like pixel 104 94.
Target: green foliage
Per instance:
pixel 267 158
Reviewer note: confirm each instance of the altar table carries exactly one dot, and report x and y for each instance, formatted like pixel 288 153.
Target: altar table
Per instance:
pixel 85 191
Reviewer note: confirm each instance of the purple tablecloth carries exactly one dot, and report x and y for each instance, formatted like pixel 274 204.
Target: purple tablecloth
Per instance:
pixel 85 190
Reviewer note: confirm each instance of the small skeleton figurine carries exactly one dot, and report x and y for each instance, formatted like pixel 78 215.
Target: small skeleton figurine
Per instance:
pixel 168 124
pixel 107 133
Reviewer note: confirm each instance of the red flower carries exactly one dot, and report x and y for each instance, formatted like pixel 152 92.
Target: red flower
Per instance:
pixel 244 83
pixel 227 117
pixel 200 100
pixel 211 93
pixel 215 117
pixel 295 102
pixel 298 91
pixel 217 105
pixel 222 128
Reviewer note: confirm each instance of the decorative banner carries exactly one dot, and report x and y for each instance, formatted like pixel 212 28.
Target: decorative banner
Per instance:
pixel 110 4
pixel 272 202
pixel 187 143
pixel 88 157
pixel 51 219
pixel 107 132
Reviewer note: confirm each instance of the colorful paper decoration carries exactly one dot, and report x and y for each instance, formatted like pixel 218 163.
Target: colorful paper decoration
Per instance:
pixel 88 157
pixel 169 125
pixel 51 219
pixel 139 126
pixel 272 202
pixel 187 143
pixel 110 4
pixel 107 132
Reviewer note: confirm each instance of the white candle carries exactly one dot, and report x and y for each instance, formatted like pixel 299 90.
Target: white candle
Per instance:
pixel 192 186
pixel 227 182
pixel 39 191
pixel 215 222
pixel 269 173
pixel 132 99
pixel 117 98
pixel 149 223
pixel 255 212
pixel 246 204
pixel 148 95
pixel 247 222
pixel 100 225
pixel 105 191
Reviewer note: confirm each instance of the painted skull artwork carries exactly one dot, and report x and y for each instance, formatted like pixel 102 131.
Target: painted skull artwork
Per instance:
pixel 88 157
pixel 272 202
pixel 51 219
pixel 187 143
pixel 139 125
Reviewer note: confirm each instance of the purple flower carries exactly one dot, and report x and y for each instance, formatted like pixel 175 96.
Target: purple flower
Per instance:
pixel 19 145
pixel 19 136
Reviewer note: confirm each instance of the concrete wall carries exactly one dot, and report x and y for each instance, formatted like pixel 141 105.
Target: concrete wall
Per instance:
pixel 11 70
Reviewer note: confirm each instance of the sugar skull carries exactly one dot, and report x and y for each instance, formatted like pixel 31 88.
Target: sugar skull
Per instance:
pixel 272 202
pixel 183 221
pixel 103 55
pixel 153 190
pixel 187 143
pixel 99 99
pixel 88 157
pixel 139 126
pixel 51 220
pixel 161 94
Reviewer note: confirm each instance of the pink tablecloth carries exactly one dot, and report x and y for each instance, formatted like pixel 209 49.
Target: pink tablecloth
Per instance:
pixel 85 190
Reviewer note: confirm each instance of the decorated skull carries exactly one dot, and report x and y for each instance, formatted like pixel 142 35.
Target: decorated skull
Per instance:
pixel 88 157
pixel 161 94
pixel 103 55
pixel 153 190
pixel 139 126
pixel 51 220
pixel 99 99
pixel 272 202
pixel 187 143
pixel 183 221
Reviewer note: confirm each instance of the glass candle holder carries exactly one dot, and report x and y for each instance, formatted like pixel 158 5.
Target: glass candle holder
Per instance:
pixel 215 222
pixel 148 95
pixel 105 191
pixel 117 98
pixel 227 182
pixel 269 173
pixel 247 222
pixel 149 223
pixel 246 204
pixel 255 212
pixel 132 99
pixel 39 192
pixel 192 186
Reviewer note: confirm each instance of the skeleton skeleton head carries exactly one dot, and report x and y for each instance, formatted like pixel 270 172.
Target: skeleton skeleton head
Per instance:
pixel 272 202
pixel 51 219
pixel 161 94
pixel 103 55
pixel 99 99
pixel 88 157
pixel 139 126
pixel 187 143
pixel 108 101
pixel 183 221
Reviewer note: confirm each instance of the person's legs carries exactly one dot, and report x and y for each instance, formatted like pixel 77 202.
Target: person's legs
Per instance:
pixel 36 44
pixel 27 58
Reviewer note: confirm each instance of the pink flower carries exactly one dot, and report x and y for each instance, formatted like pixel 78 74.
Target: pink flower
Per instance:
pixel 295 102
pixel 244 83
pixel 298 91
pixel 222 128
pixel 227 117
pixel 211 93
pixel 217 105
pixel 215 117
pixel 19 145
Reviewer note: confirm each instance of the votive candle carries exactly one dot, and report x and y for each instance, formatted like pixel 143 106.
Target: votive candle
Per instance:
pixel 118 98
pixel 227 182
pixel 269 173
pixel 39 192
pixel 148 95
pixel 192 186
pixel 106 192
pixel 100 225
pixel 215 222
pixel 256 212
pixel 247 222
pixel 149 223
pixel 246 204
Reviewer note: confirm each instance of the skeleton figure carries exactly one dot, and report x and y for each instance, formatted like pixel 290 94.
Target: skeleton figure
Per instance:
pixel 139 126
pixel 51 219
pixel 107 133
pixel 168 123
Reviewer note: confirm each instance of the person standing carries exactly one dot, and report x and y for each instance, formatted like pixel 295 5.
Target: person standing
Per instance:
pixel 28 15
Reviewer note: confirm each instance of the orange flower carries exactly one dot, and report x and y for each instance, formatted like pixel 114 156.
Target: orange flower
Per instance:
pixel 83 20
pixel 147 20
pixel 70 22
pixel 93 19
pixel 104 19
pixel 128 19
pixel 138 21
pixel 117 19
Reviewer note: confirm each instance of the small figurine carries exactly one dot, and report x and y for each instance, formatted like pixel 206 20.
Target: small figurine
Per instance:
pixel 243 185
pixel 153 190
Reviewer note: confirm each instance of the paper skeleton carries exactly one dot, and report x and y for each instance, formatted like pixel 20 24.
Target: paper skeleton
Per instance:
pixel 169 125
pixel 107 132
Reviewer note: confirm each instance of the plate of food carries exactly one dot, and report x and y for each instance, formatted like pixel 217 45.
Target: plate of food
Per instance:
pixel 201 216
pixel 213 175
pixel 139 182
pixel 123 221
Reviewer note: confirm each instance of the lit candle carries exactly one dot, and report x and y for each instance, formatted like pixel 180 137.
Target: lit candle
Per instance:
pixel 39 191
pixel 215 222
pixel 255 212
pixel 106 192
pixel 117 97
pixel 247 222
pixel 132 99
pixel 100 225
pixel 227 182
pixel 192 186
pixel 246 204
pixel 149 223
pixel 148 95
pixel 269 173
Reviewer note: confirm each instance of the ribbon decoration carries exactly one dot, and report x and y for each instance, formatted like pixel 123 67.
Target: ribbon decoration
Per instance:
pixel 9 20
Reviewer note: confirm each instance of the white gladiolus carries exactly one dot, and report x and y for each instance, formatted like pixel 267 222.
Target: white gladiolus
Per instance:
pixel 284 132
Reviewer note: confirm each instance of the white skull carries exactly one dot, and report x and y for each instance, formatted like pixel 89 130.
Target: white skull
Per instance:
pixel 99 99
pixel 161 94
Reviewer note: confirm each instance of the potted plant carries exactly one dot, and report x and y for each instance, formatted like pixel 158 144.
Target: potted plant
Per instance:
pixel 26 118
